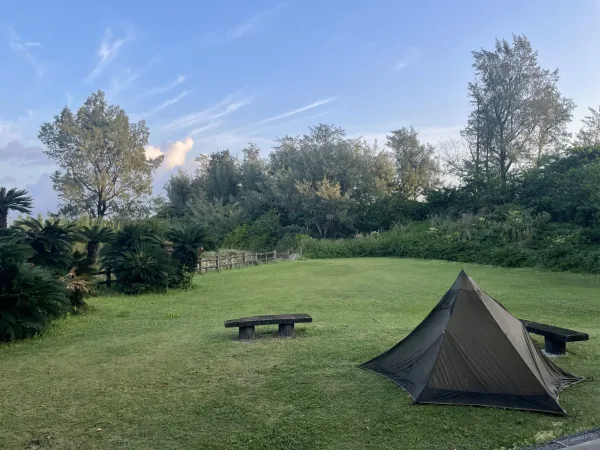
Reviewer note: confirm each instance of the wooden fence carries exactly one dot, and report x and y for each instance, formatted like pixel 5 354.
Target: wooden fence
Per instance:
pixel 236 260
pixel 220 262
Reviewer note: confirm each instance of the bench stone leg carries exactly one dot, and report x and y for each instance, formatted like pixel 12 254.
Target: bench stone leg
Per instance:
pixel 246 333
pixel 554 347
pixel 286 330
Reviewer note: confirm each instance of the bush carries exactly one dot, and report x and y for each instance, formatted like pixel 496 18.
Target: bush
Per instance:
pixel 186 239
pixel 143 268
pixel 138 258
pixel 29 296
pixel 483 241
pixel 52 242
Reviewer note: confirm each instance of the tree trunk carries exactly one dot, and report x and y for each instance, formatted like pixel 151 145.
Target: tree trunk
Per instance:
pixel 3 220
pixel 92 252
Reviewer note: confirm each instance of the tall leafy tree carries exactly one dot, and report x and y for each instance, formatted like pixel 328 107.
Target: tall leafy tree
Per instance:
pixel 517 108
pixel 417 168
pixel 219 176
pixel 13 200
pixel 103 166
pixel 589 134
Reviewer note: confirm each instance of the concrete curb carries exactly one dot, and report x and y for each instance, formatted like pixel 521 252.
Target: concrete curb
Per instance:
pixel 588 437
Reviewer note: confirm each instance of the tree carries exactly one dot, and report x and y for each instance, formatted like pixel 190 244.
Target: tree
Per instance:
pixel 95 235
pixel 516 107
pixel 103 166
pixel 416 166
pixel 589 134
pixel 219 176
pixel 13 200
pixel 554 114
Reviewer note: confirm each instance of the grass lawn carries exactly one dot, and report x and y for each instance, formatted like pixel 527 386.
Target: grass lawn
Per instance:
pixel 161 372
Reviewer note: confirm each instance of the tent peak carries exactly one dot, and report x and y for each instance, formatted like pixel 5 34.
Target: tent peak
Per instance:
pixel 463 282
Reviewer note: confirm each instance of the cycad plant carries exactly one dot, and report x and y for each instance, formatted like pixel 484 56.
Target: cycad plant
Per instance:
pixel 52 242
pixel 13 200
pixel 95 235
pixel 30 297
pixel 186 239
pixel 137 257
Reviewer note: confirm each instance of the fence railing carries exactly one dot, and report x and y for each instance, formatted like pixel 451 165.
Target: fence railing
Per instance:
pixel 218 262
pixel 235 260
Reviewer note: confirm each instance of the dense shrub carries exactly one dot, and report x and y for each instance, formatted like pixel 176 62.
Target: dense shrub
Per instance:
pixel 30 297
pixel 483 242
pixel 138 258
pixel 52 242
pixel 186 239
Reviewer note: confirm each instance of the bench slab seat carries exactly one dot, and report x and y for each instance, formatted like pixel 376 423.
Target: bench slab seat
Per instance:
pixel 285 321
pixel 555 338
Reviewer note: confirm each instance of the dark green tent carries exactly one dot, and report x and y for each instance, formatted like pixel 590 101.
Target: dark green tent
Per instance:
pixel 471 351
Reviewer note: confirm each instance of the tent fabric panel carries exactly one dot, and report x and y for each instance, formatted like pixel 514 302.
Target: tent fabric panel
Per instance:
pixel 553 377
pixel 409 362
pixel 541 403
pixel 477 356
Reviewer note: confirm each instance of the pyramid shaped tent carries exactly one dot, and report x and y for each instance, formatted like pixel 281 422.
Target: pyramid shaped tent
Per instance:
pixel 470 350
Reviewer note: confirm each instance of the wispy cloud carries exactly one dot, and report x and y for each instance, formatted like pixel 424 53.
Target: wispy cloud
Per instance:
pixel 24 49
pixel 410 57
pixel 217 111
pixel 166 104
pixel 252 23
pixel 299 110
pixel 110 47
pixel 206 127
pixel 165 87
pixel 121 82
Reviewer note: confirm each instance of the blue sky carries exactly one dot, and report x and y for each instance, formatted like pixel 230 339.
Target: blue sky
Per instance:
pixel 215 75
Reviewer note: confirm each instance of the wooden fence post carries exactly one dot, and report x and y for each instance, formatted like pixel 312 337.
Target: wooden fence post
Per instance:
pixel 244 258
pixel 200 265
pixel 108 279
pixel 217 261
pixel 255 258
pixel 275 255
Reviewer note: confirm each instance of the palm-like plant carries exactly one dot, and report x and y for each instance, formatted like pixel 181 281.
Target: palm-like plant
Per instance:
pixel 13 200
pixel 29 296
pixel 136 255
pixel 51 240
pixel 186 240
pixel 95 234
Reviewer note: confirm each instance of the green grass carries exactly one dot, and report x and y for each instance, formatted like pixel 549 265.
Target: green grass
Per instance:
pixel 161 372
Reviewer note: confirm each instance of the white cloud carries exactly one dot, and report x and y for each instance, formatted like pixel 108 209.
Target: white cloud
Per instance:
pixel 124 81
pixel 108 51
pixel 166 87
pixel 410 57
pixel 175 153
pixel 252 23
pixel 299 110
pixel 219 110
pixel 209 126
pixel 166 104
pixel 23 48
pixel 152 152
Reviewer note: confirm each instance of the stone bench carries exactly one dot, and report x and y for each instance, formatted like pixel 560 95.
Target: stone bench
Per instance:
pixel 285 321
pixel 555 338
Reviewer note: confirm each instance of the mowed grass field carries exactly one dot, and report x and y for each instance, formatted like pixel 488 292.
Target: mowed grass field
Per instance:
pixel 161 371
